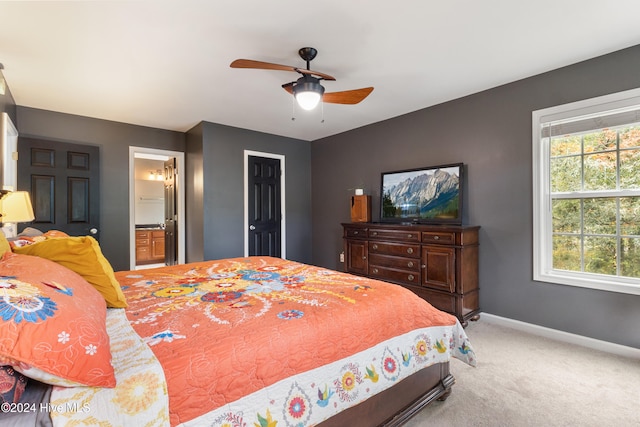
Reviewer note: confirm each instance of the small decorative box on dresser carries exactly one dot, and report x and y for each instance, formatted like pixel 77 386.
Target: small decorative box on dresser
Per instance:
pixel 437 262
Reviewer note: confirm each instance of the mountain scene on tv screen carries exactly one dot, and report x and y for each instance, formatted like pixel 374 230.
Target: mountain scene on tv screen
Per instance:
pixel 425 196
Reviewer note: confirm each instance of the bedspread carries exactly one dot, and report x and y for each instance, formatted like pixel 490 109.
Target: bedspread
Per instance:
pixel 250 340
pixel 139 398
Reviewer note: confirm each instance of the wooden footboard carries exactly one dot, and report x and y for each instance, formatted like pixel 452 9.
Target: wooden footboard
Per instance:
pixel 394 406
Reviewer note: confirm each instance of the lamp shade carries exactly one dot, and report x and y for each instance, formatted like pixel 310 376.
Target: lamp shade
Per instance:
pixel 16 207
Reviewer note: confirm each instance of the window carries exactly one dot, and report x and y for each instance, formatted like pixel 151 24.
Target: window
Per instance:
pixel 586 193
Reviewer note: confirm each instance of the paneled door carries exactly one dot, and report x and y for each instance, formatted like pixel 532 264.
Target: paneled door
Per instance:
pixel 265 216
pixel 64 182
pixel 170 213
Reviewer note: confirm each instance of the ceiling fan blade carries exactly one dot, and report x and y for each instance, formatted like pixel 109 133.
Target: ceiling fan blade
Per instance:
pixel 288 87
pixel 250 63
pixel 347 97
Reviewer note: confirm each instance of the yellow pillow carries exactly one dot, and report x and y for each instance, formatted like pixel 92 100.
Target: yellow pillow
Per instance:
pixel 4 244
pixel 82 255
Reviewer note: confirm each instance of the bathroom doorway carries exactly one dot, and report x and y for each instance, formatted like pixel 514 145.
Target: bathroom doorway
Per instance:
pixel 156 240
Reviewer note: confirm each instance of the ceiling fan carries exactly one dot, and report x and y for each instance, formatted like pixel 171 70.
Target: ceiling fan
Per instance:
pixel 307 90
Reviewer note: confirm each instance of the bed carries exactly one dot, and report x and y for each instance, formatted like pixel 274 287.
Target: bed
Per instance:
pixel 235 342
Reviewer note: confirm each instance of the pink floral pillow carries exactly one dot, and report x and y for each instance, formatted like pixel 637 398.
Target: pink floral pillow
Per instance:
pixel 12 384
pixel 52 324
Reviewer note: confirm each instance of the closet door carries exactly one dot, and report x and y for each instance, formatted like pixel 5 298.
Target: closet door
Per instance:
pixel 265 217
pixel 63 180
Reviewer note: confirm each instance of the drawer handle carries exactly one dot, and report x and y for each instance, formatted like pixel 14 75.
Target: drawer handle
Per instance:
pixel 364 257
pixel 375 271
pixel 409 250
pixel 410 264
pixel 375 233
pixel 355 233
pixel 375 247
pixel 411 277
pixel 436 237
pixel 409 236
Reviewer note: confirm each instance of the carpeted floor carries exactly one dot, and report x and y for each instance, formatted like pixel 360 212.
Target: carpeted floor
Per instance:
pixel 527 380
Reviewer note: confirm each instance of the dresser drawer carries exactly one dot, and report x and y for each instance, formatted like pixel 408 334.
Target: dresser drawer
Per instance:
pixel 395 235
pixel 392 275
pixel 441 301
pixel 441 238
pixel 355 232
pixel 403 263
pixel 398 249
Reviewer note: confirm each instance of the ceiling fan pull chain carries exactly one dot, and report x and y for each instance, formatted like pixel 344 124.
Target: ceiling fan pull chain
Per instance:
pixel 293 109
pixel 322 107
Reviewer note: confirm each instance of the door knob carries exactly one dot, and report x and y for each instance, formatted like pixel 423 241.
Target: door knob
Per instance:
pixel 252 227
pixel 93 231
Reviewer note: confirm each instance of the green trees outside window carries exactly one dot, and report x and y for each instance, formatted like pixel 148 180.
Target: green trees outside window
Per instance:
pixel 595 204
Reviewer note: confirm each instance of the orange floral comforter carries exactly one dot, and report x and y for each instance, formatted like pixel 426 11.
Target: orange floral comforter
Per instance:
pixel 235 338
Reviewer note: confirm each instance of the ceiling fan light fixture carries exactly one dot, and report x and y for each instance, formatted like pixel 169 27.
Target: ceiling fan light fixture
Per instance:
pixel 308 92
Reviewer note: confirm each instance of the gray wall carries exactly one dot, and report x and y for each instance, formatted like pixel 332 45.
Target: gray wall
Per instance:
pixel 491 133
pixel 195 195
pixel 114 140
pixel 214 180
pixel 216 156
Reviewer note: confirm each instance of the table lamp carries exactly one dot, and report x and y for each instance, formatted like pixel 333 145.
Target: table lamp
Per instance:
pixel 15 206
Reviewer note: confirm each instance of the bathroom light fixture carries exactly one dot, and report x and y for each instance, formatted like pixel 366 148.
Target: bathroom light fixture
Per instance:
pixel 156 175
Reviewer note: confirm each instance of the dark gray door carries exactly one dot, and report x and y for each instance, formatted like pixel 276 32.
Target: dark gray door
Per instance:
pixel 265 216
pixel 64 182
pixel 170 213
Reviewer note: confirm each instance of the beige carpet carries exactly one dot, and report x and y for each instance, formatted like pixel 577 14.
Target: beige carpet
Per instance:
pixel 527 380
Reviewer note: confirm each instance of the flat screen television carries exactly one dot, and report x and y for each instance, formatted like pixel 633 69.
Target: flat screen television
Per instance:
pixel 429 195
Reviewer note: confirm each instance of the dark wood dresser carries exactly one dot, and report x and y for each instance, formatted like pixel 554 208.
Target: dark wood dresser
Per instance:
pixel 437 262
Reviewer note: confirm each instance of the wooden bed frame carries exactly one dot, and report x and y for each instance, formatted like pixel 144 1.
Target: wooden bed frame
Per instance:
pixel 396 405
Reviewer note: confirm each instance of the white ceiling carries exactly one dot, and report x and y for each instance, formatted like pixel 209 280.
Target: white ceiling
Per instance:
pixel 165 64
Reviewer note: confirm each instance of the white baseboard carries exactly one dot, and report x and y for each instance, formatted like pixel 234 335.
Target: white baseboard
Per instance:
pixel 567 337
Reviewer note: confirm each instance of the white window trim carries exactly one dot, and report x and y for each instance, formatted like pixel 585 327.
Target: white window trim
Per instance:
pixel 542 244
